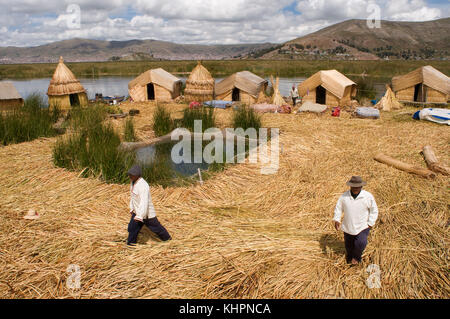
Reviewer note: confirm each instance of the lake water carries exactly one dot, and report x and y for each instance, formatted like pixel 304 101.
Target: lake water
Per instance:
pixel 163 153
pixel 118 86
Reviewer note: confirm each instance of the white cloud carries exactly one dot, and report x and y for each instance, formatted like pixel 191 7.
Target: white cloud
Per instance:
pixel 32 22
pixel 411 10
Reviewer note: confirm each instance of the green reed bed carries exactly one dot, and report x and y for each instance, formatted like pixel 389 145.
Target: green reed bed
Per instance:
pixel 205 114
pixel 162 121
pixel 245 118
pixel 129 131
pixel 93 150
pixel 283 68
pixel 29 122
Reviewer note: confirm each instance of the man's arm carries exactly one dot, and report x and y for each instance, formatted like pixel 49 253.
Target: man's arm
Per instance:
pixel 373 213
pixel 338 214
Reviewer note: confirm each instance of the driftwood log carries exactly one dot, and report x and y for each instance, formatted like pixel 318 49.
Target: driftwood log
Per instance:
pixel 118 116
pixel 404 166
pixel 132 146
pixel 432 161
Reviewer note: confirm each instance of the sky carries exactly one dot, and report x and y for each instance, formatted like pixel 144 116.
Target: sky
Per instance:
pixel 37 22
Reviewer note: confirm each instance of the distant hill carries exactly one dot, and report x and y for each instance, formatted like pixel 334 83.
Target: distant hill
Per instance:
pixel 353 39
pixel 84 50
pixel 349 40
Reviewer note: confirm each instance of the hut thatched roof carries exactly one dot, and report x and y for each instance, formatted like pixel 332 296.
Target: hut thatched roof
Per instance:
pixel 64 81
pixel 245 81
pixel 332 80
pixel 156 76
pixel 8 91
pixel 200 76
pixel 426 75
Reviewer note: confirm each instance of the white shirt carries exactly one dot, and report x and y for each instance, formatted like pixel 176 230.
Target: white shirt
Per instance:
pixel 294 92
pixel 141 200
pixel 359 213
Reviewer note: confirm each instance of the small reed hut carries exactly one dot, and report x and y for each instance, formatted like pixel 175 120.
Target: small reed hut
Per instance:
pixel 330 87
pixel 155 85
pixel 426 85
pixel 65 90
pixel 244 87
pixel 9 97
pixel 199 85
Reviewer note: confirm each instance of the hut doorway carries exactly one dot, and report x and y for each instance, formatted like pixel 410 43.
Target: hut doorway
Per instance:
pixel 321 95
pixel 236 95
pixel 74 100
pixel 420 93
pixel 150 92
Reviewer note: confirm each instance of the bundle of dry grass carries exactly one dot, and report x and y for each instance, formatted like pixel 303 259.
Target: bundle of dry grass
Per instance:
pixel 65 90
pixel 199 85
pixel 241 234
pixel 277 99
pixel 388 102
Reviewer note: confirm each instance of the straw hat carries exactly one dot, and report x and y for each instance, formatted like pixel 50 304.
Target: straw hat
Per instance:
pixel 356 181
pixel 32 214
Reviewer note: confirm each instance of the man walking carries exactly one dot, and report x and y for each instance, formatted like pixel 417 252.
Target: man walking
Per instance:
pixel 294 95
pixel 360 214
pixel 141 209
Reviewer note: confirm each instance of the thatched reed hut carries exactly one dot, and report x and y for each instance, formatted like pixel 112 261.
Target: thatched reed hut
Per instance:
pixel 244 87
pixel 199 85
pixel 65 90
pixel 155 85
pixel 9 97
pixel 425 84
pixel 329 87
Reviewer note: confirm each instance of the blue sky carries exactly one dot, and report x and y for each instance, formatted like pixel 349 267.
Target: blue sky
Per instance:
pixel 30 22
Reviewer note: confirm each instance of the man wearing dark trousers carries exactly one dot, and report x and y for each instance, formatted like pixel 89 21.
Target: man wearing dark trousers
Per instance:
pixel 360 214
pixel 141 209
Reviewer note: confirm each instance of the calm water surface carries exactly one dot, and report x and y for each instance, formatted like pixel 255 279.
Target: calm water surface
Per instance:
pixel 109 86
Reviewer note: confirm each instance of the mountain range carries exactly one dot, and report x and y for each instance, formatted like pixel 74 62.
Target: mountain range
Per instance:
pixel 348 40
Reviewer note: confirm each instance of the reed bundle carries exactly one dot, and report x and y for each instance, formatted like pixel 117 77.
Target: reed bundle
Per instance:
pixel 241 234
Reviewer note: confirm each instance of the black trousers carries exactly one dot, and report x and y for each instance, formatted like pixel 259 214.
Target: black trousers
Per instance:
pixel 134 227
pixel 294 100
pixel 355 245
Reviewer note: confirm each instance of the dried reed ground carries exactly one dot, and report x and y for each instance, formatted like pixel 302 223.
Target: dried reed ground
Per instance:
pixel 242 234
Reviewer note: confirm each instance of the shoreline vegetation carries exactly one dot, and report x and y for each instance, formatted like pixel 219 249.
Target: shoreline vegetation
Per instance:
pixel 222 68
pixel 32 121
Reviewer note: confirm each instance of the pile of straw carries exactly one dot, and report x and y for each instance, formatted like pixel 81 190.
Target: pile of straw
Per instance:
pixel 277 99
pixel 241 234
pixel 199 85
pixel 388 102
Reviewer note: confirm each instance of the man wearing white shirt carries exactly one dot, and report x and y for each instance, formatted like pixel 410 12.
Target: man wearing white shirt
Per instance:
pixel 360 214
pixel 141 209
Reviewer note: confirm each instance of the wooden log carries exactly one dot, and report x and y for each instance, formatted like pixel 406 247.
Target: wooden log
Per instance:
pixel 118 116
pixel 132 146
pixel 404 166
pixel 432 161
